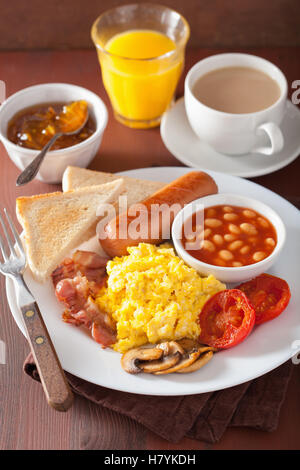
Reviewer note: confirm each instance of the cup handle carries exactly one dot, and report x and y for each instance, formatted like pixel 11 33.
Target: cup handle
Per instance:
pixel 276 139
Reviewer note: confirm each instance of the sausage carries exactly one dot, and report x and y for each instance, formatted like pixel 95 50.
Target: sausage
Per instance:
pixel 147 221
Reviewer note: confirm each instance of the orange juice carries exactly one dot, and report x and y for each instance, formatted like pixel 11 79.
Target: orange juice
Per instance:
pixel 140 71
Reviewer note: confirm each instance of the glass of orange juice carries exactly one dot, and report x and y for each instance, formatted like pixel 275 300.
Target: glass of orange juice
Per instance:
pixel 141 52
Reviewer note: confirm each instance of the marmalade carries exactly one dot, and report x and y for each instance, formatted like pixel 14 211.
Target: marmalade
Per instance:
pixel 33 127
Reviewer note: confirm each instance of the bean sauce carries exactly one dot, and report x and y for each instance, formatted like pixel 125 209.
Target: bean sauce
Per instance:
pixel 232 236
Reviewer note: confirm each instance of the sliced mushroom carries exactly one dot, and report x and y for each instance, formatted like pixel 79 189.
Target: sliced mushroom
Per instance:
pixel 170 347
pixel 131 360
pixel 203 359
pixel 172 354
pixel 188 344
pixel 192 360
pixel 185 362
pixel 184 356
pixel 166 362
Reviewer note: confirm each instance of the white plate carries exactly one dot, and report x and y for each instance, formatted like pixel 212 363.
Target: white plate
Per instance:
pixel 182 142
pixel 268 346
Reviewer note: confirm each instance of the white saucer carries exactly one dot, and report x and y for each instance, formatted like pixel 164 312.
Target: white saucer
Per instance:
pixel 182 142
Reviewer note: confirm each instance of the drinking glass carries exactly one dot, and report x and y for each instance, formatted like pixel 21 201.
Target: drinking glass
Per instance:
pixel 140 90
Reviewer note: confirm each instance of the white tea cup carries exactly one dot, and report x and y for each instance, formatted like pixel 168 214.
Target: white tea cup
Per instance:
pixel 236 134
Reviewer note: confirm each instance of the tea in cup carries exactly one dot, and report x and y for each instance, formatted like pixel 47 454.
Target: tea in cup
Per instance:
pixel 232 99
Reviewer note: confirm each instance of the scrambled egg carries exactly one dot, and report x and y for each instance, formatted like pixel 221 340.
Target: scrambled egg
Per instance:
pixel 153 296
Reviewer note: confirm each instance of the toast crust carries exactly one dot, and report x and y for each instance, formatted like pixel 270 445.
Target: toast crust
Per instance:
pixel 136 190
pixel 55 223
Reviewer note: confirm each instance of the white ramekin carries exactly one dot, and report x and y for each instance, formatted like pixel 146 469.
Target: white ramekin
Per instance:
pixel 56 161
pixel 227 274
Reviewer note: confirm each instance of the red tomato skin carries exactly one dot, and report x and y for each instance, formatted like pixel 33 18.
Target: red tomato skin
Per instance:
pixel 262 282
pixel 232 335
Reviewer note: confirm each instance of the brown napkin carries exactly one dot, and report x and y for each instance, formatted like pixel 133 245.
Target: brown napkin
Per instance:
pixel 204 417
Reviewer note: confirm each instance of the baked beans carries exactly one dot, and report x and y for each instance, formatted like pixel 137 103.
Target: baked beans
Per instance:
pixel 233 236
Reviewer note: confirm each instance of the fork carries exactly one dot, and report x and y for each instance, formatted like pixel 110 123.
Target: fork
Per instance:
pixel 55 385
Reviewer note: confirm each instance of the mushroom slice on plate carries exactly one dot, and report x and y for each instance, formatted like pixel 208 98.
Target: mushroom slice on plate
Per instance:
pixel 133 359
pixel 166 362
pixel 185 362
pixel 170 347
pixel 192 360
pixel 188 344
pixel 172 353
pixel 203 359
pixel 171 356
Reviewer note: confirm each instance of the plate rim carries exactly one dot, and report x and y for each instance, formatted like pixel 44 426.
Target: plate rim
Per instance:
pixel 13 307
pixel 245 174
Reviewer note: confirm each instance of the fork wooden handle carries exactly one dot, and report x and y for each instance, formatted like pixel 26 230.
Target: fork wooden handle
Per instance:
pixel 52 376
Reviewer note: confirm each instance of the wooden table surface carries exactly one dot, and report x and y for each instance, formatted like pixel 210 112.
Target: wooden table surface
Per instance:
pixel 26 422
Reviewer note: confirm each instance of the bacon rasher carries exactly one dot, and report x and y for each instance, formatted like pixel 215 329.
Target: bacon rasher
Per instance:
pixel 77 280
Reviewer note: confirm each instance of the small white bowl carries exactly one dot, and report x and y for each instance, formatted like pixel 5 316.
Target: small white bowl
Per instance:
pixel 228 274
pixel 56 161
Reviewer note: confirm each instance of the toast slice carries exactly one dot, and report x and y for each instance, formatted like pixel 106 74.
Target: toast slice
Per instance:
pixel 137 190
pixel 56 223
